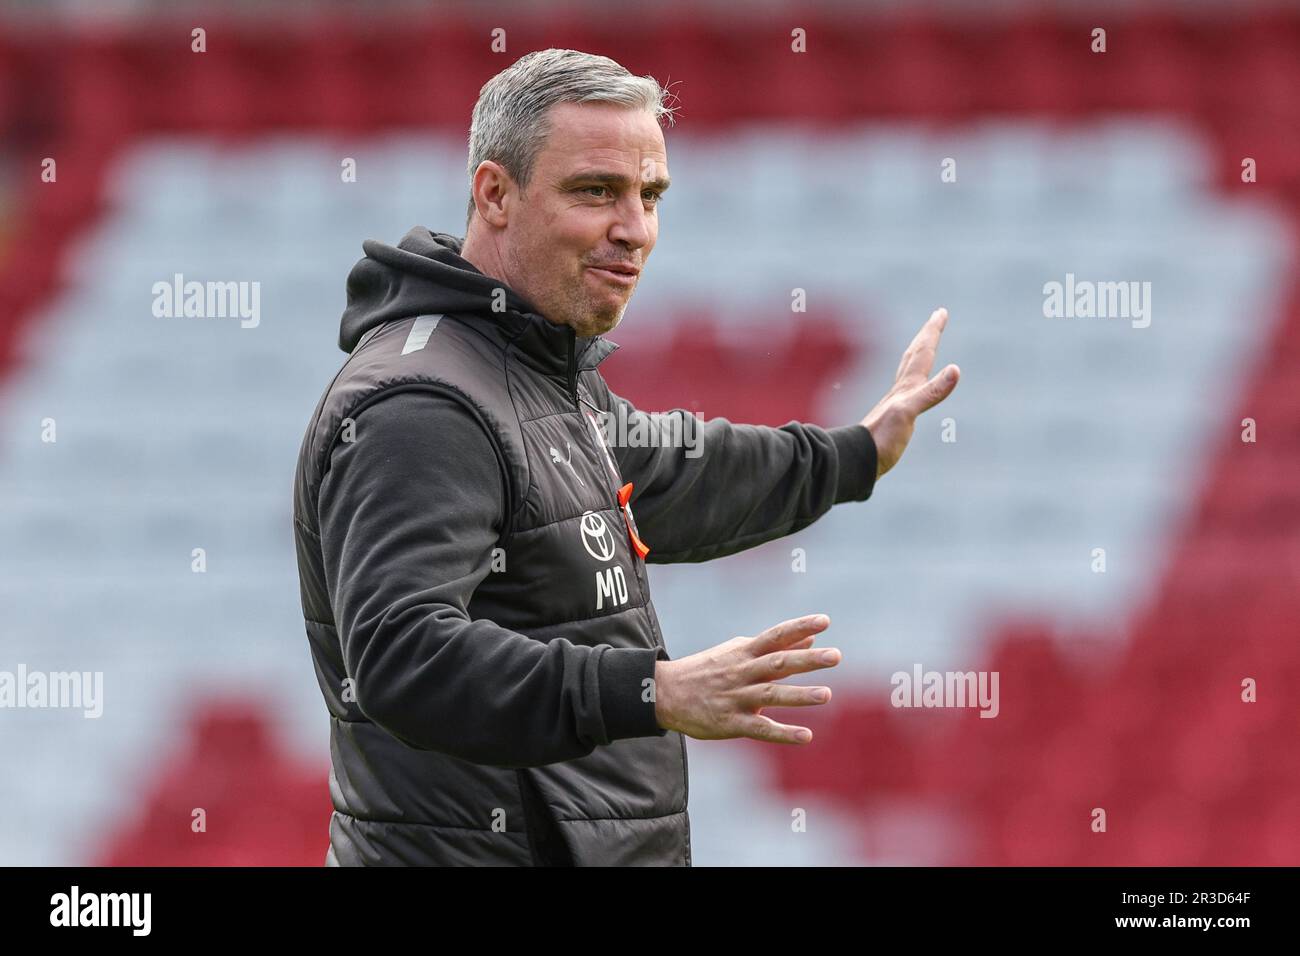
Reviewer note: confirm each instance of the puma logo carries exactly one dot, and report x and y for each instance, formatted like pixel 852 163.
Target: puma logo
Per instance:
pixel 555 457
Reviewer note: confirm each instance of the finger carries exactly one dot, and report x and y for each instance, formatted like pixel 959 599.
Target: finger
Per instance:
pixel 783 663
pixel 918 359
pixel 765 728
pixel 788 633
pixel 934 391
pixel 784 695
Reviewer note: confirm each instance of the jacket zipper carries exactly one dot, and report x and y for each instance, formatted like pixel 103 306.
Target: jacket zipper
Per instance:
pixel 573 373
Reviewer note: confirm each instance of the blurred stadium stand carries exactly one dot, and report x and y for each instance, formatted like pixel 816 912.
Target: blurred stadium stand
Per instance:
pixel 816 171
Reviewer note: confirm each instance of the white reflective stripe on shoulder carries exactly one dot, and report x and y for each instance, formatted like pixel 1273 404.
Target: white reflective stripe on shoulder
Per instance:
pixel 420 332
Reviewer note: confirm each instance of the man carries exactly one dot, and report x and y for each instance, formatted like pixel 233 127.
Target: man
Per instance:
pixel 473 577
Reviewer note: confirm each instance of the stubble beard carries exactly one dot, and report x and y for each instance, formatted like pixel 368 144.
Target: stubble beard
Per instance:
pixel 588 321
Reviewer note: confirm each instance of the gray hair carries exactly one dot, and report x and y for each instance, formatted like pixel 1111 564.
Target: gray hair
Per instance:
pixel 510 118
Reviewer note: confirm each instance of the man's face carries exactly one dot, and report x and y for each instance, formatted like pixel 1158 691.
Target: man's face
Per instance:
pixel 577 238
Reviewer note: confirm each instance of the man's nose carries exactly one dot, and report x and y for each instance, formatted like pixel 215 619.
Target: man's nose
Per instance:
pixel 631 228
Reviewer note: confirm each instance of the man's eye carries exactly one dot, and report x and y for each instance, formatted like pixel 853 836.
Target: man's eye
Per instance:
pixel 589 188
pixel 652 197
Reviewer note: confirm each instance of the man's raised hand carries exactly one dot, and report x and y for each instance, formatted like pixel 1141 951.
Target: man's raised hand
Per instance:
pixel 892 420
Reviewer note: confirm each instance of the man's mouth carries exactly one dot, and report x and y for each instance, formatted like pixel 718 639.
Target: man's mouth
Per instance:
pixel 619 273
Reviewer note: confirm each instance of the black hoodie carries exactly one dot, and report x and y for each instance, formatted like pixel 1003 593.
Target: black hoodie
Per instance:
pixel 396 538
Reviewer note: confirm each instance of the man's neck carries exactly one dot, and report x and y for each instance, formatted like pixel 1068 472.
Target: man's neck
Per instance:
pixel 483 255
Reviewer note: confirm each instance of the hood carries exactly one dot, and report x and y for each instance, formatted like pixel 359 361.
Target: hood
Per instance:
pixel 423 274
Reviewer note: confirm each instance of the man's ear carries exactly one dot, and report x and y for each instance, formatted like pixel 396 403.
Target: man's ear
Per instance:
pixel 493 190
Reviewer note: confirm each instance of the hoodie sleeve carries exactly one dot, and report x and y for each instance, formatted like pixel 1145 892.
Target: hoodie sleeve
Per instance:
pixel 409 514
pixel 722 487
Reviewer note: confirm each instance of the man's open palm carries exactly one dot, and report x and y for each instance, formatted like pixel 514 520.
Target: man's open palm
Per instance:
pixel 892 420
pixel 720 693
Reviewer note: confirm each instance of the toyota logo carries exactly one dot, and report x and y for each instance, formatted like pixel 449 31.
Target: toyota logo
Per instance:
pixel 596 537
